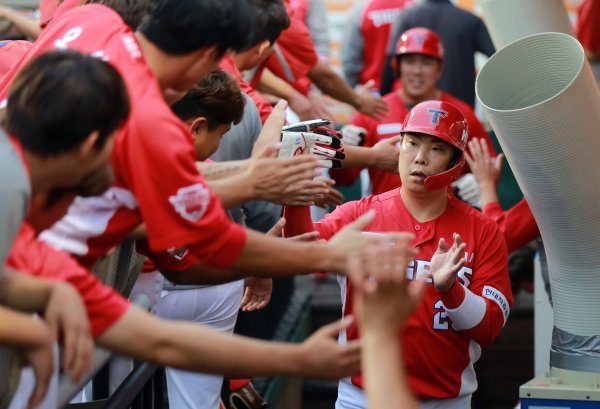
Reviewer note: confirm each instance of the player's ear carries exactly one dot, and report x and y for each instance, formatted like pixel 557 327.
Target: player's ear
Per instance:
pixel 88 144
pixel 199 126
pixel 264 47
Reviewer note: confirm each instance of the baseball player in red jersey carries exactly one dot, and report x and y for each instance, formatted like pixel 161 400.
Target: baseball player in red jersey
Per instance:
pixel 461 255
pixel 419 63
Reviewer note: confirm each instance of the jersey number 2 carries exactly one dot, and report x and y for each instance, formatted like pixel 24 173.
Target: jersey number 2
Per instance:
pixel 441 322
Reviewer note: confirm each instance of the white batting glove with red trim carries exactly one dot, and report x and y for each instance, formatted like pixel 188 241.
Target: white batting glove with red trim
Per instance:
pixel 315 137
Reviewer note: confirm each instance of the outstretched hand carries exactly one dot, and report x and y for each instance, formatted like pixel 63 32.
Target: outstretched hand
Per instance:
pixel 485 168
pixel 368 103
pixel 446 262
pixel 383 297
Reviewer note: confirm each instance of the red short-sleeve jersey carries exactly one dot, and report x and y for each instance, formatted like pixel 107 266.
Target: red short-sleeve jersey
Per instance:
pixel 157 181
pixel 33 257
pixel 391 125
pixel 295 54
pixel 442 339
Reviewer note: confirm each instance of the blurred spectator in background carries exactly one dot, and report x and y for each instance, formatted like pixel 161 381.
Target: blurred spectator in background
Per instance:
pixel 462 33
pixel 369 23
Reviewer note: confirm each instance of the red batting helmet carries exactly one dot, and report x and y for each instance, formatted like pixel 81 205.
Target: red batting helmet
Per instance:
pixel 418 40
pixel 441 120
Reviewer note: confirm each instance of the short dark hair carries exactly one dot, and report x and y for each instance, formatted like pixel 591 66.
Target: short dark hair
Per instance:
pixel 58 99
pixel 271 20
pixel 217 98
pixel 184 26
pixel 131 11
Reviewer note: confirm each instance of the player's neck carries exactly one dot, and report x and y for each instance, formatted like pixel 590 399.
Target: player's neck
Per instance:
pixel 424 206
pixel 238 60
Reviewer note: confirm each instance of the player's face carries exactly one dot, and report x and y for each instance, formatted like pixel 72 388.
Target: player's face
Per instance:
pixel 420 75
pixel 207 140
pixel 422 156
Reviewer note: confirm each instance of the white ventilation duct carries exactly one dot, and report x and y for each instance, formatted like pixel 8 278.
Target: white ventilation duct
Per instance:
pixel 544 106
pixel 509 20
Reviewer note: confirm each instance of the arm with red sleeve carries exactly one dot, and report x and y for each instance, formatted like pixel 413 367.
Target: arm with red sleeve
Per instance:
pixel 299 221
pixel 481 310
pixel 33 257
pixel 517 223
pixel 177 207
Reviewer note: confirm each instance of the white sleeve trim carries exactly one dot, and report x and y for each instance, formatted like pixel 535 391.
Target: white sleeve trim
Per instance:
pixel 499 298
pixel 469 313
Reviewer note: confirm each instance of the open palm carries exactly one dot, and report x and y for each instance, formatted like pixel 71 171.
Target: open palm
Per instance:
pixel 446 262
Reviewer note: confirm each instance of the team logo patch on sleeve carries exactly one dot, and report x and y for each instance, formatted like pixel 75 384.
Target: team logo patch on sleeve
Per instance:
pixel 191 202
pixel 499 298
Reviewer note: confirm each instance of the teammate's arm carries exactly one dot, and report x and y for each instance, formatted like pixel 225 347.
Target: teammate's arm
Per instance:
pixel 34 340
pixel 301 105
pixel 63 310
pixel 31 28
pixel 383 155
pixel 217 170
pixel 275 180
pixel 194 347
pixel 333 85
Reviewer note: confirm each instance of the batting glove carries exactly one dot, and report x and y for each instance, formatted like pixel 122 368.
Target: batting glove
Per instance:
pixel 467 189
pixel 310 126
pixel 354 135
pixel 313 137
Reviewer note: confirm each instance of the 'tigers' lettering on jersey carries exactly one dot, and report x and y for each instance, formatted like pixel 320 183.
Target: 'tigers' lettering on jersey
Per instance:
pixel 420 270
pixel 383 17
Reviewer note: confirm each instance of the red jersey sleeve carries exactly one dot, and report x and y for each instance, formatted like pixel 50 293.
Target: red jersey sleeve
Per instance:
pixel 481 310
pixel 298 220
pixel 516 224
pixel 33 257
pixel 178 208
